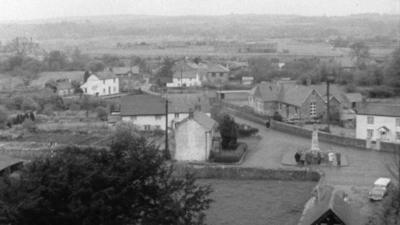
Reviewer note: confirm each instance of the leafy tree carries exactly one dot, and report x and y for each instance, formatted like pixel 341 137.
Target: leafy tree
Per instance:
pixel 95 66
pixel 392 69
pixel 111 60
pixel 166 68
pixel 102 113
pixel 128 184
pixel 29 104
pixel 77 87
pixel 3 116
pixel 56 60
pixel 52 84
pixel 360 51
pixel 228 131
pixel 86 75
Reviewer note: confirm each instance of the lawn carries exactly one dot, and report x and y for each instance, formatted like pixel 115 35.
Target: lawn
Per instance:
pixel 257 202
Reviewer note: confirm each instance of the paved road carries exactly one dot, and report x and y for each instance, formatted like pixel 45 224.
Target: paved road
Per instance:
pixel 364 165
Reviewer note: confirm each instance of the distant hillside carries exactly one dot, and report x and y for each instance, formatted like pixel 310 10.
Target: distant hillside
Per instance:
pixel 238 27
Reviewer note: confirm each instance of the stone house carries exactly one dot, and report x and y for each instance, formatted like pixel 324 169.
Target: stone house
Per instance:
pixel 64 88
pixel 194 137
pixel 216 74
pixel 294 101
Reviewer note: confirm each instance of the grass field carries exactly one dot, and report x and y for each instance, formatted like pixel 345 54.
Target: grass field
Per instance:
pixel 257 202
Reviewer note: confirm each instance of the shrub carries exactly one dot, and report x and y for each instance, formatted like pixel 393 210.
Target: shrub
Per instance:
pixel 48 110
pixel 228 131
pixel 277 117
pixel 102 113
pixel 28 104
pixel 30 126
pixel 3 116
pixel 74 107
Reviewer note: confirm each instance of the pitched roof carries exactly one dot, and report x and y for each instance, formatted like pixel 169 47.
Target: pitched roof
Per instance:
pixel 190 101
pixel 204 120
pixel 379 109
pixel 331 200
pixel 294 95
pixel 334 90
pixel 217 68
pixel 185 74
pixel 104 75
pixel 135 105
pixel 266 91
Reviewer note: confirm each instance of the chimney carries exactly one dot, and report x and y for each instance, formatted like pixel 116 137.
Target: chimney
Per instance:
pixel 308 81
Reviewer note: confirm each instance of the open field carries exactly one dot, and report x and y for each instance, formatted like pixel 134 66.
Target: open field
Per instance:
pixel 257 202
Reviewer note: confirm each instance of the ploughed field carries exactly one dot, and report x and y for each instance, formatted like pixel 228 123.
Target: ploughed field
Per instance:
pixel 257 202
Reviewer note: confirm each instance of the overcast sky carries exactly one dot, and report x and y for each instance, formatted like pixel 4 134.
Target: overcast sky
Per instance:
pixel 38 9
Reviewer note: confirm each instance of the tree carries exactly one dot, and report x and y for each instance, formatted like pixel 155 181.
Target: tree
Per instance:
pixel 166 68
pixel 392 69
pixel 228 131
pixel 102 113
pixel 360 51
pixel 3 116
pixel 95 66
pixel 56 60
pixel 29 104
pixel 128 184
pixel 52 84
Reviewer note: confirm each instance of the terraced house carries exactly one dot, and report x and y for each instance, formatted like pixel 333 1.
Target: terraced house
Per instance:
pixel 102 83
pixel 293 101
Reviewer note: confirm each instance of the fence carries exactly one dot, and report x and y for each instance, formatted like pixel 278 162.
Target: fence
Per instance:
pixel 303 132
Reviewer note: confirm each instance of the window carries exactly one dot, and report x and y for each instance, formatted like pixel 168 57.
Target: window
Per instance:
pixel 133 118
pixel 104 90
pixel 176 115
pixel 370 120
pixel 370 133
pixel 398 136
pixel 146 127
pixel 114 80
pixel 313 109
pixel 85 90
pixel 115 89
pixel 397 122
pixel 158 127
pixel 104 81
pixel 158 117
pixel 213 74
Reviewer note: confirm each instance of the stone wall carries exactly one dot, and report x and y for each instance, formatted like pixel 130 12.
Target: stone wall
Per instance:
pixel 238 173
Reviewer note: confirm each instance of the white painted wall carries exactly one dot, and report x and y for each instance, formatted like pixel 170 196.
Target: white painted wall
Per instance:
pixel 390 122
pixel 188 82
pixel 94 86
pixel 193 142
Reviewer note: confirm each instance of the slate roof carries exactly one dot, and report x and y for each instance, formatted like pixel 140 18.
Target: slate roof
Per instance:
pixel 295 94
pixel 125 70
pixel 104 75
pixel 217 68
pixel 379 109
pixel 205 121
pixel 136 105
pixel 331 200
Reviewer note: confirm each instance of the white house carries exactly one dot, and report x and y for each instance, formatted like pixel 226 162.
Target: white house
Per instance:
pixel 147 112
pixel 101 84
pixel 194 136
pixel 378 121
pixel 189 78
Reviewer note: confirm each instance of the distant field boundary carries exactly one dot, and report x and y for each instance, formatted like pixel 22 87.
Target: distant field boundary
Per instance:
pixel 303 132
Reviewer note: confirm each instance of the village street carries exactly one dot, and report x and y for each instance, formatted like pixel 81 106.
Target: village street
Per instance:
pixel 365 166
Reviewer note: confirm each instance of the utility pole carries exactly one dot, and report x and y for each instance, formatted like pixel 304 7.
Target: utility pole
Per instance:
pixel 167 155
pixel 181 80
pixel 328 114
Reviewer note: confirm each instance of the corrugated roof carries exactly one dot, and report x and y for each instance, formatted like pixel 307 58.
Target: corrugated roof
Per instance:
pixel 379 109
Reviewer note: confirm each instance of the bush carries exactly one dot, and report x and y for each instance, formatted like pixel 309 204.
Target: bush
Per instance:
pixel 228 131
pixel 102 113
pixel 277 117
pixel 3 116
pixel 48 110
pixel 74 107
pixel 30 126
pixel 28 104
pixel 230 156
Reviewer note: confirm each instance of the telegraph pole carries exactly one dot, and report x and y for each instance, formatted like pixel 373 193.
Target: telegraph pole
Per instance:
pixel 328 114
pixel 167 155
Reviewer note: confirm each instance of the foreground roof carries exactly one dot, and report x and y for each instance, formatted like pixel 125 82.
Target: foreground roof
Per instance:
pixel 379 109
pixel 334 201
pixel 203 119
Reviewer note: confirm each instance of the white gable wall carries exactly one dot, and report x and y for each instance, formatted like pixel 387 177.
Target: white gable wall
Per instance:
pixel 390 122
pixel 95 86
pixel 193 142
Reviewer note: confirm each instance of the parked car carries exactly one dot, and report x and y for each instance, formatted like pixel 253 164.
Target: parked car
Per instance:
pixel 380 189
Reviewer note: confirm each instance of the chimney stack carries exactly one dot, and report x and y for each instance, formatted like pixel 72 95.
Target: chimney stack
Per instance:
pixel 191 112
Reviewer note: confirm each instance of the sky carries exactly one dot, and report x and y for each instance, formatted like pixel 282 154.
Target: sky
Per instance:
pixel 11 10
